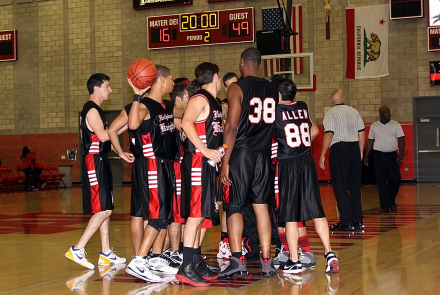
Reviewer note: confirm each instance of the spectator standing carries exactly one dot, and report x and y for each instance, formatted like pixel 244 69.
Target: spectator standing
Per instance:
pixel 27 157
pixel 383 138
pixel 38 168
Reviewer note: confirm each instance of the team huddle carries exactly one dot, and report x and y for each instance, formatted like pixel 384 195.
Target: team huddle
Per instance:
pixel 192 152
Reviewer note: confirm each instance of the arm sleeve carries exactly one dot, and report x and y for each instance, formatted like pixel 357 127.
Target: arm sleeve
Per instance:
pixel 329 123
pixel 361 126
pixel 399 131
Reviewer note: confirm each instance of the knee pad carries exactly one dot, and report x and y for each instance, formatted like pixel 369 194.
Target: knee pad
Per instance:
pixel 158 224
pixel 232 209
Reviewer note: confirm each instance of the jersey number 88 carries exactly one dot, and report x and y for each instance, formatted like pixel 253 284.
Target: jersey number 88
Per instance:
pixel 265 109
pixel 295 136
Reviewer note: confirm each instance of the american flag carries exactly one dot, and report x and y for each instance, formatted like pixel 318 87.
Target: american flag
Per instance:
pixel 272 20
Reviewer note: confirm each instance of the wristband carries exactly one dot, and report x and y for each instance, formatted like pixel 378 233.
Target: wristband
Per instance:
pixel 137 98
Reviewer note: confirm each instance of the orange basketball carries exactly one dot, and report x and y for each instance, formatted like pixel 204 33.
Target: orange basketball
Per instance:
pixel 142 73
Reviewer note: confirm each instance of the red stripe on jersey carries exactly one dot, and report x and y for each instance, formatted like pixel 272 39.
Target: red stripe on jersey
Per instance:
pixel 277 193
pixel 154 205
pixel 147 146
pixel 225 193
pixel 196 186
pixel 93 182
pixel 177 193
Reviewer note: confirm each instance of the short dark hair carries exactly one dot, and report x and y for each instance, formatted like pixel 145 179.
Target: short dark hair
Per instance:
pixel 162 71
pixel 229 76
pixel 178 90
pixel 251 54
pixel 96 80
pixel 286 88
pixel 205 72
pixel 193 87
pixel 181 80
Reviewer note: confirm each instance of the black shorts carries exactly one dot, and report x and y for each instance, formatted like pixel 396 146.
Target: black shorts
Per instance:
pixel 249 172
pixel 152 190
pixel 297 195
pixel 198 197
pixel 97 183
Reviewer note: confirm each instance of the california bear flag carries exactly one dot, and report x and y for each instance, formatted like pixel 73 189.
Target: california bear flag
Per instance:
pixel 367 41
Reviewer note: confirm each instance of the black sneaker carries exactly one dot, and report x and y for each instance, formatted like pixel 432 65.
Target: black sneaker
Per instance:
pixel 292 267
pixel 340 226
pixel 358 225
pixel 212 268
pixel 204 271
pixel 252 256
pixel 267 267
pixel 189 275
pixel 236 268
pixel 332 263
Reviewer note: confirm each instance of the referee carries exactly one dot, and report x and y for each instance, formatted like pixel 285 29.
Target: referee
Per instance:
pixel 383 138
pixel 344 132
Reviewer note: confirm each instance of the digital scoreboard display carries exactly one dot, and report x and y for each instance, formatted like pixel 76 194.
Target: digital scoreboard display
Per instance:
pixel 201 28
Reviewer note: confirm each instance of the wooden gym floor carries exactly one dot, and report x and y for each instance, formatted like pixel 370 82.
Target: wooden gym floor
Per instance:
pixel 397 253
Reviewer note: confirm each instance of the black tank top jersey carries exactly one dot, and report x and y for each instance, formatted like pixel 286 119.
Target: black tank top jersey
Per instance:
pixel 210 131
pixel 90 143
pixel 155 137
pixel 292 130
pixel 140 137
pixel 255 127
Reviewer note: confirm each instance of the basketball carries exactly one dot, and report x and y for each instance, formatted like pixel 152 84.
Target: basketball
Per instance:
pixel 142 73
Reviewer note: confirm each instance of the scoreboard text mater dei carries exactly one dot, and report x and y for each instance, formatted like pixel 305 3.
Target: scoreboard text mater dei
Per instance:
pixel 201 28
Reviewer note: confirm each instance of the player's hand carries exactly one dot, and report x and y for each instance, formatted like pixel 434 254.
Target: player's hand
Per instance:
pixel 224 175
pixel 127 157
pixel 362 155
pixel 214 155
pixel 137 90
pixel 366 161
pixel 321 162
pixel 399 159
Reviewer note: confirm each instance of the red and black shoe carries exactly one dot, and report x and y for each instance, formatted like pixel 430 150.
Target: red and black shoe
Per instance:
pixel 189 275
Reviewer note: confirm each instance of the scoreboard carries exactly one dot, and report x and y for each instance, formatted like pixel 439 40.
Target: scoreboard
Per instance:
pixel 201 28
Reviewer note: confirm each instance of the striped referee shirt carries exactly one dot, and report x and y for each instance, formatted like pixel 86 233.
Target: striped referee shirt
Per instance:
pixel 344 122
pixel 385 135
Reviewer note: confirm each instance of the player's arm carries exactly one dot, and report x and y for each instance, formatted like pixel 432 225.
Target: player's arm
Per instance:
pixel 94 123
pixel 197 110
pixel 118 126
pixel 361 135
pixel 314 131
pixel 178 112
pixel 328 136
pixel 235 97
pixel 135 118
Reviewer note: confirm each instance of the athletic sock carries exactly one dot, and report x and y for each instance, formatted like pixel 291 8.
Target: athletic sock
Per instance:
pixel 197 251
pixel 237 254
pixel 224 235
pixel 283 241
pixel 155 255
pixel 181 246
pixel 187 255
pixel 107 252
pixel 304 243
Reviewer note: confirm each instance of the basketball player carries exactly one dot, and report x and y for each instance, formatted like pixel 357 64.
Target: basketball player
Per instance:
pixel 97 185
pixel 180 98
pixel 155 145
pixel 296 178
pixel 246 165
pixel 202 124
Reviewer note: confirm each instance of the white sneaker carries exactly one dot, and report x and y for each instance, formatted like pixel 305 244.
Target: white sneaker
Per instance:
pixel 80 282
pixel 111 258
pixel 146 289
pixel 224 251
pixel 138 267
pixel 243 249
pixel 108 272
pixel 79 256
pixel 177 258
pixel 158 265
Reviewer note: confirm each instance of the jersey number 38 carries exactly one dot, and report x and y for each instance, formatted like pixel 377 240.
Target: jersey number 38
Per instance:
pixel 262 109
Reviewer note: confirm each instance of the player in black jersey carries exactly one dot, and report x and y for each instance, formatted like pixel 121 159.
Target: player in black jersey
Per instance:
pixel 152 141
pixel 296 180
pixel 246 165
pixel 97 186
pixel 202 124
